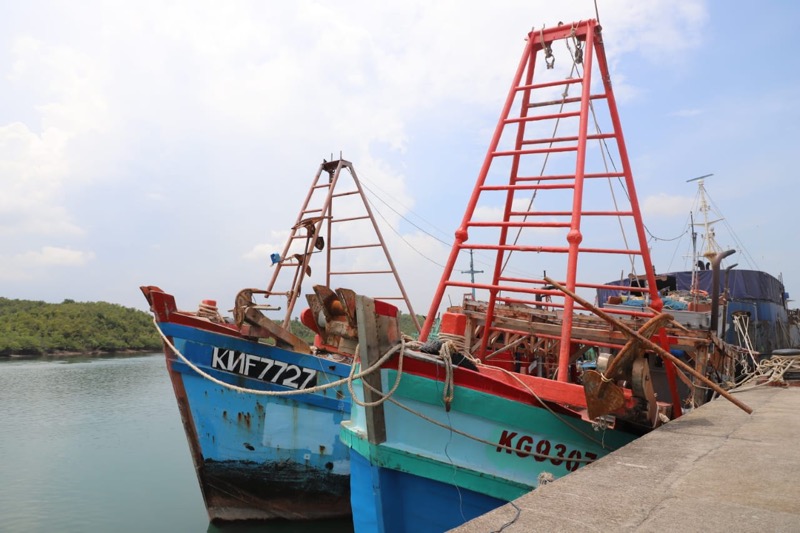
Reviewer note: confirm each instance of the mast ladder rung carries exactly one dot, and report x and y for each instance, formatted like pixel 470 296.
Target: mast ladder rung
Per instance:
pixel 351 247
pixel 536 118
pixel 588 175
pixel 365 217
pixel 574 138
pixel 548 249
pixel 361 272
pixel 518 224
pixel 554 292
pixel 545 85
pixel 568 213
pixel 348 193
pixel 534 151
pixel 534 187
pixel 516 248
pixel 563 101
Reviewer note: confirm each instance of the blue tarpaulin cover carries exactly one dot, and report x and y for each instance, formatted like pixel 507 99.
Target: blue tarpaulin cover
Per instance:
pixel 742 284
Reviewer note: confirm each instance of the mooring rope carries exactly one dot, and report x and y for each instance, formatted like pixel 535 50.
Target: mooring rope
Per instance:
pixel 385 397
pixel 770 371
pixel 388 396
pixel 474 437
pixel 385 357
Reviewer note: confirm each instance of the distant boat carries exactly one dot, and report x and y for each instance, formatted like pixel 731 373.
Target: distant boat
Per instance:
pixel 746 308
pixel 261 407
pixel 502 401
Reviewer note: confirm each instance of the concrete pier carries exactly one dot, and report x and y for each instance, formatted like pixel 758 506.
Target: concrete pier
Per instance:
pixel 715 469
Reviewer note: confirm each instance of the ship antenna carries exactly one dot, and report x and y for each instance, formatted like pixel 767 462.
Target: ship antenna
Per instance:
pixel 472 273
pixel 709 239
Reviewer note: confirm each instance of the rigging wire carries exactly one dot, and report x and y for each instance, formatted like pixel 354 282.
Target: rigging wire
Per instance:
pixel 655 238
pixel 480 257
pixel 733 234
pixel 391 227
pixel 408 209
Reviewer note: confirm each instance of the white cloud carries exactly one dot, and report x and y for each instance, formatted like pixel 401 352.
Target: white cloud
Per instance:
pixel 31 264
pixel 55 256
pixel 32 168
pixel 173 108
pixel 663 204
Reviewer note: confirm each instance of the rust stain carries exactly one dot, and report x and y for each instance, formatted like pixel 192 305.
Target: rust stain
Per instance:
pixel 322 449
pixel 225 415
pixel 243 417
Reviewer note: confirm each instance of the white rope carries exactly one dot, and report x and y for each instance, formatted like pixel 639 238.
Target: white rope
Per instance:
pixel 353 376
pixel 385 396
pixel 449 427
pixel 449 386
pixel 769 371
pixel 309 390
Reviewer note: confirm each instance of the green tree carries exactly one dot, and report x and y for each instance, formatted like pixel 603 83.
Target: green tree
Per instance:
pixel 30 327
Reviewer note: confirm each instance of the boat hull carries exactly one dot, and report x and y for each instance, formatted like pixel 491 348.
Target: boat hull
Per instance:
pixel 439 468
pixel 386 499
pixel 258 456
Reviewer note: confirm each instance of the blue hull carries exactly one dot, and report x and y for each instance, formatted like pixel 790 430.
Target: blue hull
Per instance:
pixel 437 468
pixel 258 456
pixel 386 500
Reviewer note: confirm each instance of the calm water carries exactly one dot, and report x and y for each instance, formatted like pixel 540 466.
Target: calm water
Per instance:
pixel 96 444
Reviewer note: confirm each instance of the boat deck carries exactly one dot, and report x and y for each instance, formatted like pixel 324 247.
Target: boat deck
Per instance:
pixel 715 469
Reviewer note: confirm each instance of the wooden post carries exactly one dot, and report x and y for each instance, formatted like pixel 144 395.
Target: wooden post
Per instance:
pixel 369 350
pixel 700 363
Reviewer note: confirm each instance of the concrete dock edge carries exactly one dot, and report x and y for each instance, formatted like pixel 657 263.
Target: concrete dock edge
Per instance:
pixel 715 469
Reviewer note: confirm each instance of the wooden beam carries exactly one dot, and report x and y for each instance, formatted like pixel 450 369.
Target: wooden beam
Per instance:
pixel 370 352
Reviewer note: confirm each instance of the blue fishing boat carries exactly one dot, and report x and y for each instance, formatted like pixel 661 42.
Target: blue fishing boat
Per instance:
pixel 502 401
pixel 259 454
pixel 260 406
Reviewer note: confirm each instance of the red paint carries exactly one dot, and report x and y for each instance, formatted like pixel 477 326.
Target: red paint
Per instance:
pixel 565 398
pixel 453 323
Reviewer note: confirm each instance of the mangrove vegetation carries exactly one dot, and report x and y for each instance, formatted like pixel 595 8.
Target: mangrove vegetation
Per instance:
pixel 30 327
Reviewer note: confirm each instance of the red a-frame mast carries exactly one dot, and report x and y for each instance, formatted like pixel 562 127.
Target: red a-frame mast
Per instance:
pixel 557 160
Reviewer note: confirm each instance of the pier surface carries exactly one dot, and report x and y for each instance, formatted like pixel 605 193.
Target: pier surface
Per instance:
pixel 715 469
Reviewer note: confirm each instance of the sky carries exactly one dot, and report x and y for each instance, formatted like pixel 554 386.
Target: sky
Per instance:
pixel 172 143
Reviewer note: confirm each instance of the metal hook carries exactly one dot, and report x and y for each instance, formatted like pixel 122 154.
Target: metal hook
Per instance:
pixel 549 58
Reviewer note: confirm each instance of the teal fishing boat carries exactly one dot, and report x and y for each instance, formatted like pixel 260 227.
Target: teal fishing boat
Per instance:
pixel 503 401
